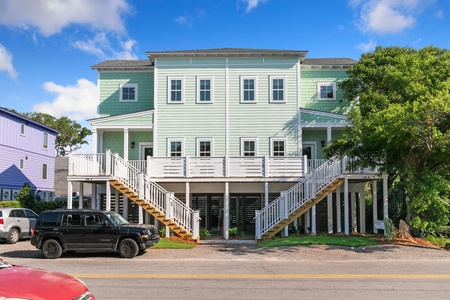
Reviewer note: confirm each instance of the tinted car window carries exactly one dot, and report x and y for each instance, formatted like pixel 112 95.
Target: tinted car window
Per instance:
pixel 48 220
pixel 30 214
pixel 95 220
pixel 1 214
pixel 71 220
pixel 18 213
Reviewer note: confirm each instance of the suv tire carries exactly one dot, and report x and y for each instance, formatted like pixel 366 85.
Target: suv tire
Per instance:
pixel 13 236
pixel 128 248
pixel 51 249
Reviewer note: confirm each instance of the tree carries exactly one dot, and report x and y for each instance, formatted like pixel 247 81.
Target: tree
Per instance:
pixel 401 124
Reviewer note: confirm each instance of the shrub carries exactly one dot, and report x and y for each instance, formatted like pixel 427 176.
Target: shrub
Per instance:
pixel 204 233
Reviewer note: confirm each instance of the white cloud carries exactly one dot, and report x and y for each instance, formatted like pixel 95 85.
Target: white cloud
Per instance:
pixel 76 102
pixel 190 19
pixel 388 16
pixel 6 62
pixel 101 47
pixel 439 14
pixel 51 16
pixel 252 4
pixel 367 47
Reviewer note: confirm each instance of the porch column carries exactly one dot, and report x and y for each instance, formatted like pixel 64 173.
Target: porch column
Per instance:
pixel 266 194
pixel 328 135
pixel 307 219
pixel 330 212
pixel 338 209
pixel 116 201
pixel 69 194
pixel 94 195
pixel 188 194
pixel 80 196
pixel 353 211
pixel 125 208
pixel 94 140
pixel 125 144
pixel 226 213
pixel 362 209
pixel 346 215
pixel 385 196
pixel 313 220
pixel 374 206
pixel 108 195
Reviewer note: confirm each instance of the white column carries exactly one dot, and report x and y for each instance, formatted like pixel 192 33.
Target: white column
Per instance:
pixel 125 208
pixel 362 209
pixel 346 215
pixel 354 227
pixel 307 220
pixel 116 201
pixel 108 196
pixel 266 194
pixel 188 194
pixel 69 194
pixel 94 195
pixel 374 206
pixel 226 213
pixel 125 143
pixel 313 220
pixel 385 196
pixel 80 196
pixel 94 141
pixel 338 209
pixel 328 135
pixel 330 212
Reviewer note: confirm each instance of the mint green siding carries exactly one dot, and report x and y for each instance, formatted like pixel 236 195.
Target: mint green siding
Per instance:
pixel 113 141
pixel 309 96
pixel 138 137
pixel 109 83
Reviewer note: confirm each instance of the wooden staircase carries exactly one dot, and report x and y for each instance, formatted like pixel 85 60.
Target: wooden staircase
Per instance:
pixel 152 210
pixel 302 209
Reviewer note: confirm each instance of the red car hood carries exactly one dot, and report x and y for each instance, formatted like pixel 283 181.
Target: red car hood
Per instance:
pixel 39 284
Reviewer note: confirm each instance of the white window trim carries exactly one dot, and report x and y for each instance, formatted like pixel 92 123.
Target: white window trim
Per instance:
pixel 211 140
pixel 329 83
pixel 46 172
pixel 24 129
pixel 284 89
pixel 272 140
pixel 169 148
pixel 22 164
pixel 129 85
pixel 243 140
pixel 242 89
pixel 211 79
pixel 44 137
pixel 169 89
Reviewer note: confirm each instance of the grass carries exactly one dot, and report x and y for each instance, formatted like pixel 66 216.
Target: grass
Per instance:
pixel 171 244
pixel 346 241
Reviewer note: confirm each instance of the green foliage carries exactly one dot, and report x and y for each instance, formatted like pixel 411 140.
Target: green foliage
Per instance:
pixel 437 239
pixel 204 233
pixel 26 198
pixel 49 205
pixel 162 231
pixel 347 241
pixel 169 244
pixel 10 204
pixel 389 229
pixel 233 232
pixel 401 124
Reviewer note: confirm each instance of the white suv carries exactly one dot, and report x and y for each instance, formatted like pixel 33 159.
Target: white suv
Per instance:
pixel 16 223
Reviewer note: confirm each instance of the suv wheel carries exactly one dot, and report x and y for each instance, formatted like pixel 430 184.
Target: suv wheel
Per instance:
pixel 51 249
pixel 13 236
pixel 128 248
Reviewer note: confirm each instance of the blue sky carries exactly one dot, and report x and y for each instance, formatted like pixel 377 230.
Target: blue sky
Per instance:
pixel 48 46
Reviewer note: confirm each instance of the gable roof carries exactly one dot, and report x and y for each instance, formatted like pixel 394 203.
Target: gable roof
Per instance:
pixel 124 64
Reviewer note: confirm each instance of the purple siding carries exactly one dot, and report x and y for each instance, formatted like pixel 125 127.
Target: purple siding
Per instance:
pixel 29 147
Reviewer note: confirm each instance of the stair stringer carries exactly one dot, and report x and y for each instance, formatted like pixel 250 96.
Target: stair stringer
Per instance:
pixel 304 208
pixel 148 207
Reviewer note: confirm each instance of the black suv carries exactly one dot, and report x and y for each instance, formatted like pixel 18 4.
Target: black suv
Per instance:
pixel 59 231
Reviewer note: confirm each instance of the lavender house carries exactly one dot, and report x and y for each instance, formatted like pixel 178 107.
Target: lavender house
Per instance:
pixel 27 156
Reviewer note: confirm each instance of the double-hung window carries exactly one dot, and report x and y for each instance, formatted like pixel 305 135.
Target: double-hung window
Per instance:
pixel 44 171
pixel 278 147
pixel 22 129
pixel 175 90
pixel 175 147
pixel 277 89
pixel 204 147
pixel 21 164
pixel 204 90
pixel 326 90
pixel 248 147
pixel 248 89
pixel 129 92
pixel 45 141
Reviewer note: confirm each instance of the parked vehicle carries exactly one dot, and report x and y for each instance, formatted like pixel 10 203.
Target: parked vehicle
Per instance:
pixel 20 282
pixel 63 230
pixel 16 223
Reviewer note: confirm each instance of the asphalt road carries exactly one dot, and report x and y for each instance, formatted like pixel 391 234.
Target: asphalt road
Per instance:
pixel 111 277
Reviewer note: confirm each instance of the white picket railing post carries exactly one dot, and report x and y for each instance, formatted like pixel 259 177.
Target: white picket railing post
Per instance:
pixel 141 186
pixel 195 218
pixel 108 163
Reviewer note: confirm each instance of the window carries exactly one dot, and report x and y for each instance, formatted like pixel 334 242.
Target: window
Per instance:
pixel 277 89
pixel 176 90
pixel 278 147
pixel 22 129
pixel 204 147
pixel 204 90
pixel 175 147
pixel 44 171
pixel 248 89
pixel 248 147
pixel 45 141
pixel 129 92
pixel 326 90
pixel 21 164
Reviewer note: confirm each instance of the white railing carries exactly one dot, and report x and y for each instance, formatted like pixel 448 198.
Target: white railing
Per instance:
pixel 292 199
pixel 120 169
pixel 219 167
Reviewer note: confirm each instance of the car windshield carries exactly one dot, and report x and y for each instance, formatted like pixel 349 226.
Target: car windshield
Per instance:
pixel 4 264
pixel 117 219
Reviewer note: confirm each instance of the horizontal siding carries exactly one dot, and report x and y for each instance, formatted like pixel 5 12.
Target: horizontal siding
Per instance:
pixel 109 83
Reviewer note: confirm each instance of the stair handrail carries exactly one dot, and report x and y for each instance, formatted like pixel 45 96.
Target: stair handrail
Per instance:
pixel 295 197
pixel 164 201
